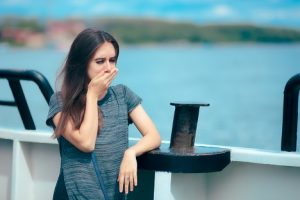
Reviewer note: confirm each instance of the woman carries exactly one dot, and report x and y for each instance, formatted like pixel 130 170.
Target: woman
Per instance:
pixel 91 118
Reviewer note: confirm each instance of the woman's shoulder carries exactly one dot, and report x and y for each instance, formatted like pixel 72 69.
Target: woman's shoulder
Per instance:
pixel 126 93
pixel 119 88
pixel 56 98
pixel 122 89
pixel 55 106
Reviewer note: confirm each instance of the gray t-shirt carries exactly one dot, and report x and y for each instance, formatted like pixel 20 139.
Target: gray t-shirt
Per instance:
pixel 77 167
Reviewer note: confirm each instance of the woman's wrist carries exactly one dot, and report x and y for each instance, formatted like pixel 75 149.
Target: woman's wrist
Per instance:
pixel 130 151
pixel 91 96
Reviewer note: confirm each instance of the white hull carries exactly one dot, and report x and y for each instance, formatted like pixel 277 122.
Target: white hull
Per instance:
pixel 238 181
pixel 30 165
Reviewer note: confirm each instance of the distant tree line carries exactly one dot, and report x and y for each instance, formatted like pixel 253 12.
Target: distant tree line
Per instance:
pixel 149 31
pixel 32 24
pixel 137 31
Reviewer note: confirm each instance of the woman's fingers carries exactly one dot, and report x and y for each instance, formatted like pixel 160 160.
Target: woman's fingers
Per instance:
pixel 131 183
pixel 123 183
pixel 112 76
pixel 106 77
pixel 100 83
pixel 127 183
pixel 128 172
pixel 135 180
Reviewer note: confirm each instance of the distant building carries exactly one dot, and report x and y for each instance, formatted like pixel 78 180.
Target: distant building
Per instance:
pixel 57 34
pixel 60 34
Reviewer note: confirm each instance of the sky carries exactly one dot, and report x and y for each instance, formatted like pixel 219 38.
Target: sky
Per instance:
pixel 263 12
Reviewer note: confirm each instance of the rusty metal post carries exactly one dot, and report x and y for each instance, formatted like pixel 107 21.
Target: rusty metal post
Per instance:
pixel 181 156
pixel 184 125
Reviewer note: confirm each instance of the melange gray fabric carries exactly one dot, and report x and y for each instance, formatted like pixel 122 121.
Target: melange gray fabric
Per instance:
pixel 77 167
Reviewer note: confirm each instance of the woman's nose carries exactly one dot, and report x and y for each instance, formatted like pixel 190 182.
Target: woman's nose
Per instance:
pixel 108 65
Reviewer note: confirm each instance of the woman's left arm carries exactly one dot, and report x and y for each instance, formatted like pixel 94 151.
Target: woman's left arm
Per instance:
pixel 150 140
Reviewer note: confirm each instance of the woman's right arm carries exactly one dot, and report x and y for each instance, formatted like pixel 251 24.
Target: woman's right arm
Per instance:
pixel 84 138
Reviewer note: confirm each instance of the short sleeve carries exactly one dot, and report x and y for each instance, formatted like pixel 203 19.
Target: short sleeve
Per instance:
pixel 55 106
pixel 132 100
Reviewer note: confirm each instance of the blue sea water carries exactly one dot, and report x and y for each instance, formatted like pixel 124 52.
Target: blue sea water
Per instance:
pixel 243 83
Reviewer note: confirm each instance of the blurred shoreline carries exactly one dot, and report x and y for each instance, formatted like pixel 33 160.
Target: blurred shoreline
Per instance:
pixel 58 34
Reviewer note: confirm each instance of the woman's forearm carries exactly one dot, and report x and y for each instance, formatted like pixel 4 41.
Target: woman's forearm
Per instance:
pixel 89 126
pixel 151 138
pixel 83 138
pixel 146 143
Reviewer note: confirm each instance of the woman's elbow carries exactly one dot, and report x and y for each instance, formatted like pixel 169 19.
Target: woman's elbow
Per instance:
pixel 87 147
pixel 158 140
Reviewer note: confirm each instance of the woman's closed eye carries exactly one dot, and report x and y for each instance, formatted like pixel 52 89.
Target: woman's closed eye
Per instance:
pixel 102 60
pixel 112 60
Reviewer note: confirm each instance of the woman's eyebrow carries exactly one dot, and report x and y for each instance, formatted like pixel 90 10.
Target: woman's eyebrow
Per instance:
pixel 102 58
pixel 99 58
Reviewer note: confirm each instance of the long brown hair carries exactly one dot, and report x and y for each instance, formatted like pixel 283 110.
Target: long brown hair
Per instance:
pixel 75 79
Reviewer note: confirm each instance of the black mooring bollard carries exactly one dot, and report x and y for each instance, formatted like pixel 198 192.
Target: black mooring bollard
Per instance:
pixel 181 156
pixel 185 124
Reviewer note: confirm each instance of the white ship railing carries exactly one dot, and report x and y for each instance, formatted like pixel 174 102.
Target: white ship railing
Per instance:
pixel 30 166
pixel 30 160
